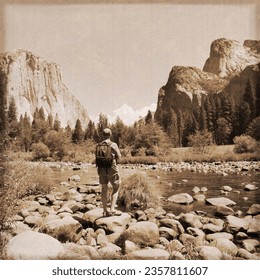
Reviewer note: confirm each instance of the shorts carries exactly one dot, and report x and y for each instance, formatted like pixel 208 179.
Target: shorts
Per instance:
pixel 107 175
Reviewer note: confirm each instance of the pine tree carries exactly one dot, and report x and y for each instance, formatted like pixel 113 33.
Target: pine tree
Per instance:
pixel 203 116
pixel 250 97
pixel 244 117
pixel 39 125
pixel 209 113
pixel 90 131
pixel 25 132
pixel 118 129
pixel 12 123
pixel 180 127
pixel 149 117
pixel 257 94
pixel 102 124
pixel 223 131
pixel 78 133
pixel 172 128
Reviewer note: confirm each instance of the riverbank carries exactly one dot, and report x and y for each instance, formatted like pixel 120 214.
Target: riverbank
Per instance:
pixel 70 219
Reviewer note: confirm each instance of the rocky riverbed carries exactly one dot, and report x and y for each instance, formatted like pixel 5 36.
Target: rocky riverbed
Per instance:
pixel 68 222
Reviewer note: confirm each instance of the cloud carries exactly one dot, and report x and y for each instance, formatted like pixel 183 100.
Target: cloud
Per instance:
pixel 127 114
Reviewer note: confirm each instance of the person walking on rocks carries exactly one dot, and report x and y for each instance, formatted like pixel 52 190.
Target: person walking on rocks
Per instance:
pixel 107 157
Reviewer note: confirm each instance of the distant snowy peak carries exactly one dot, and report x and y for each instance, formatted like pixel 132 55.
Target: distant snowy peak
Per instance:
pixel 127 114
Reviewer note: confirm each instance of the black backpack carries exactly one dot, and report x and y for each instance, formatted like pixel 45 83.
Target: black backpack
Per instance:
pixel 104 157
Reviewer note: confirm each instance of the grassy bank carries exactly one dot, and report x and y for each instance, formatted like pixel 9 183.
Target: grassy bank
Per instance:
pixel 20 180
pixel 187 154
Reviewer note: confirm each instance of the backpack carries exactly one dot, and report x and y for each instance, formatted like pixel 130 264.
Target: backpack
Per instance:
pixel 104 157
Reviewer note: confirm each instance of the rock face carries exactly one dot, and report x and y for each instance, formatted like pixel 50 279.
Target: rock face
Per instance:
pixel 185 87
pixel 34 82
pixel 226 71
pixel 229 57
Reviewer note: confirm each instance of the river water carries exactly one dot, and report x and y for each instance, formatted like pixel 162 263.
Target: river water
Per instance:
pixel 183 182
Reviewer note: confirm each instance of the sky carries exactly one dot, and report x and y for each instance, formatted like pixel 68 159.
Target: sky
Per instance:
pixel 115 57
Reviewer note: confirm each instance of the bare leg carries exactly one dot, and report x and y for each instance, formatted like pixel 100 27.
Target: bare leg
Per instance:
pixel 104 197
pixel 114 197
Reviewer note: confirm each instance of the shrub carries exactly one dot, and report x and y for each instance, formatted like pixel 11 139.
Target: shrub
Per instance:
pixel 244 144
pixel 200 141
pixel 253 129
pixel 40 150
pixel 138 190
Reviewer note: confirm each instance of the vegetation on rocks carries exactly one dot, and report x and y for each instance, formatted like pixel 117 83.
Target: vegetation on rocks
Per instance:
pixel 21 179
pixel 138 191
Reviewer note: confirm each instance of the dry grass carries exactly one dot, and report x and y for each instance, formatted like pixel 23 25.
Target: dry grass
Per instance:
pixel 214 153
pixel 140 191
pixel 20 179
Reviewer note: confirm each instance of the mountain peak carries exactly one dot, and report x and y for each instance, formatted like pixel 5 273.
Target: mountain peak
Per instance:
pixel 230 57
pixel 34 82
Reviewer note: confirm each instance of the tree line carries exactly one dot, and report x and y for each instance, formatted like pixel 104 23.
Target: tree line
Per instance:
pixel 216 115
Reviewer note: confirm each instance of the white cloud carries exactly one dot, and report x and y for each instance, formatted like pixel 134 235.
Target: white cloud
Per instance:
pixel 127 114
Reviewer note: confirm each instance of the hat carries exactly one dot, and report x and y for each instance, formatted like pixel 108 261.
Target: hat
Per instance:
pixel 107 132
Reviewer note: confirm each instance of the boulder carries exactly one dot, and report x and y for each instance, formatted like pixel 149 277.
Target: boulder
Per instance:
pixel 254 209
pixel 173 224
pixel 110 249
pixel 175 245
pixel 75 178
pixel 182 198
pixel 250 245
pixel 199 197
pixel 175 255
pixel 65 229
pixel 141 233
pixel 31 245
pixel 96 189
pixel 168 233
pixel 225 245
pixel 92 215
pixel 51 217
pixel 149 254
pixel 79 252
pixel 130 246
pixel 235 224
pixel 19 227
pixel 214 236
pixel 254 226
pixel 33 220
pixel 250 187
pixel 196 190
pixel 190 220
pixel 212 228
pixel 222 210
pixel 216 201
pixel 226 188
pixel 186 238
pixel 209 253
pixel 243 253
pixel 195 231
pixel 114 223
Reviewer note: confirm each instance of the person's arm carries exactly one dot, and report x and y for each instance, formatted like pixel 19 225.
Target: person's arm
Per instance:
pixel 117 152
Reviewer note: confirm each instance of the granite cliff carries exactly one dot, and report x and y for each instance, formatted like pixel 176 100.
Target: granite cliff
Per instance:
pixel 226 71
pixel 34 82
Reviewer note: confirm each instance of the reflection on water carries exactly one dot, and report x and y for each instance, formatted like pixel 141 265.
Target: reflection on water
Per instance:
pixel 175 182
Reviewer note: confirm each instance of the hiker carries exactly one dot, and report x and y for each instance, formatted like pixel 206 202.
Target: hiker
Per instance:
pixel 107 156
